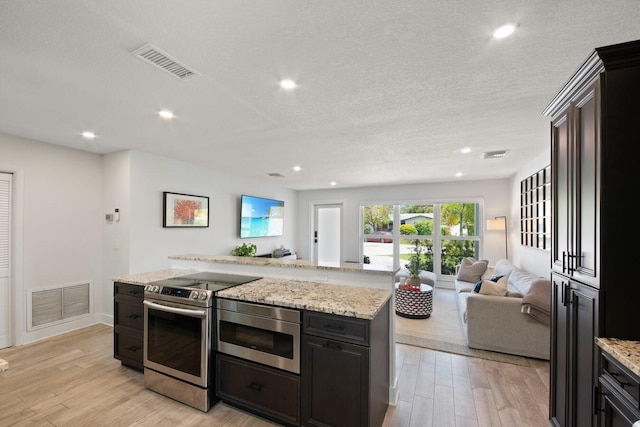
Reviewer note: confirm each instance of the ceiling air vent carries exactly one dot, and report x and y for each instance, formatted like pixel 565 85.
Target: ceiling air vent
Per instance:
pixel 275 175
pixel 495 154
pixel 155 56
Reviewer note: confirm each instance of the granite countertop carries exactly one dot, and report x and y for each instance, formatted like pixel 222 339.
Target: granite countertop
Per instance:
pixel 287 263
pixel 624 351
pixel 352 301
pixel 144 278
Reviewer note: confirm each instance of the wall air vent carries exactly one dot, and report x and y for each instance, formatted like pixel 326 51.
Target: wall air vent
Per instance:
pixel 151 54
pixel 275 175
pixel 495 154
pixel 52 306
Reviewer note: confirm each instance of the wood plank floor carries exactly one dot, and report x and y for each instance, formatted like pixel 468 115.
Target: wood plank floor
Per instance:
pixel 73 380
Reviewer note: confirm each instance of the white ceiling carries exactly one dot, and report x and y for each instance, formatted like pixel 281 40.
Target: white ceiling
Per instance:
pixel 389 91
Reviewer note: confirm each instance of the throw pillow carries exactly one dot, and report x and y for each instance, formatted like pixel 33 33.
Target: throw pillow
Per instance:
pixel 490 287
pixel 503 267
pixel 471 270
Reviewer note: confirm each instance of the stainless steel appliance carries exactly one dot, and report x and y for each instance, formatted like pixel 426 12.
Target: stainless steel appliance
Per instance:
pixel 179 336
pixel 261 333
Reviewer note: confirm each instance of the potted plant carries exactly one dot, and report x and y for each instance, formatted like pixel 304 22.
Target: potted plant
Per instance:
pixel 245 249
pixel 416 264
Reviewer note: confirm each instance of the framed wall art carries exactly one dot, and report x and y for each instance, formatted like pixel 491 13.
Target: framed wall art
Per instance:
pixel 184 210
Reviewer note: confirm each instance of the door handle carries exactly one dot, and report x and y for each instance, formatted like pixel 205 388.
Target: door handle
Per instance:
pixel 315 236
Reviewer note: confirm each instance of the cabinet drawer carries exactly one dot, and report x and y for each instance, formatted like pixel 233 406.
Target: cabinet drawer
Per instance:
pixel 127 289
pixel 128 348
pixel 615 409
pixel 129 313
pixel 623 378
pixel 269 392
pixel 348 329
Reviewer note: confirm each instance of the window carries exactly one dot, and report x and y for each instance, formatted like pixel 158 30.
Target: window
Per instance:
pixel 447 231
pixel 535 210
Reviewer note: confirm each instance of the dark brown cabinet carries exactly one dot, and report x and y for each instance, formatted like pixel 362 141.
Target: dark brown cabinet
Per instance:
pixel 573 355
pixel 128 323
pixel 619 394
pixel 594 128
pixel 269 392
pixel 345 369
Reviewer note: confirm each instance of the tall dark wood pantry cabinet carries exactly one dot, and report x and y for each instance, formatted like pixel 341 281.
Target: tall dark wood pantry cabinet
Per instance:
pixel 595 128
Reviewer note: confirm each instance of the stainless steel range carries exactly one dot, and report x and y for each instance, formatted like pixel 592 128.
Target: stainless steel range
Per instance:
pixel 179 335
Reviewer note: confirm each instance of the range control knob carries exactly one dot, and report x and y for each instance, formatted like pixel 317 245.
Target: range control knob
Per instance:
pixel 194 295
pixel 204 295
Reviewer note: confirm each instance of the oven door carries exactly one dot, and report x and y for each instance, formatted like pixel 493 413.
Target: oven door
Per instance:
pixel 177 341
pixel 268 341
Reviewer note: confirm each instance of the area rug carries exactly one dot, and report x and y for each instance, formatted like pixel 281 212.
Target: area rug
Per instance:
pixel 464 350
pixel 443 331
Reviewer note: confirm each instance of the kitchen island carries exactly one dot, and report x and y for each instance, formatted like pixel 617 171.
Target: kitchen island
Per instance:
pixel 346 273
pixel 346 323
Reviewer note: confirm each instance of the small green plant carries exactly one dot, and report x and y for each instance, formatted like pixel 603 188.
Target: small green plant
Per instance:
pixel 416 260
pixel 366 260
pixel 245 249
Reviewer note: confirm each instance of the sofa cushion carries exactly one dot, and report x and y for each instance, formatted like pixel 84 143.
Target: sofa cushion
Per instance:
pixel 503 267
pixel 472 270
pixel 491 287
pixel 520 282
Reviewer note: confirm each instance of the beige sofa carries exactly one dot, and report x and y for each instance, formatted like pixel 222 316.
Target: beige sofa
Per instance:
pixel 505 323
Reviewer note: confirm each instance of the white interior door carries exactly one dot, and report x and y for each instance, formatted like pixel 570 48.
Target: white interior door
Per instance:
pixel 327 234
pixel 5 260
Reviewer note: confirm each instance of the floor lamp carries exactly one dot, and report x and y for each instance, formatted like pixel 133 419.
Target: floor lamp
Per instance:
pixel 500 223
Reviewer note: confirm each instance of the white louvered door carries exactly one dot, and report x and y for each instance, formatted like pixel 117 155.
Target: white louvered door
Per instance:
pixel 5 260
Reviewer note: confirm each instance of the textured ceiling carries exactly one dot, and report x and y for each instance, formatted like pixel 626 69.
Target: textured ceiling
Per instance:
pixel 389 92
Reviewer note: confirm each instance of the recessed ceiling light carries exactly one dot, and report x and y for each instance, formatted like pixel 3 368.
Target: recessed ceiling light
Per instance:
pixel 297 168
pixel 465 150
pixel 504 31
pixel 88 134
pixel 166 114
pixel 288 84
pixel 458 174
pixel 333 183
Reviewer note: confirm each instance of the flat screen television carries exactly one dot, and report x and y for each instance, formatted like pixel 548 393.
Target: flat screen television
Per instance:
pixel 260 217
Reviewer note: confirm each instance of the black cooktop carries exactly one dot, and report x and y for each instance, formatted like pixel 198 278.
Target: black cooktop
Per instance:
pixel 207 280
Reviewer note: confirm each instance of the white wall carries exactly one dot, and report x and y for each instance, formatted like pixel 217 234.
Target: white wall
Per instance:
pixel 151 244
pixel 494 194
pixel 116 234
pixel 532 259
pixel 61 215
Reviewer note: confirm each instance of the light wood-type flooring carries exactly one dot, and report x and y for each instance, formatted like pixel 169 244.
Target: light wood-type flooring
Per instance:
pixel 73 380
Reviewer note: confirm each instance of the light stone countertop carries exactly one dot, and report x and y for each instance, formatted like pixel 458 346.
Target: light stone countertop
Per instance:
pixel 352 301
pixel 287 263
pixel 153 276
pixel 624 351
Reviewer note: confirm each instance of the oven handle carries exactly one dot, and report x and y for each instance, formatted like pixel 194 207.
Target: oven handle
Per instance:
pixel 174 310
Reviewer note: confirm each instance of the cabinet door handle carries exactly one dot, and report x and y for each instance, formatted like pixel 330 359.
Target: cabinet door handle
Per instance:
pixel 134 316
pixel 333 345
pixel 566 290
pixel 334 327
pixel 595 404
pixel 617 376
pixel 564 261
pixel 255 386
pixel 134 348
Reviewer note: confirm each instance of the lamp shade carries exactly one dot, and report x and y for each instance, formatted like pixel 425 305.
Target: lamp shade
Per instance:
pixel 496 224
